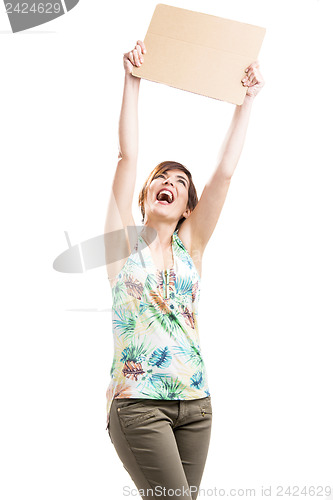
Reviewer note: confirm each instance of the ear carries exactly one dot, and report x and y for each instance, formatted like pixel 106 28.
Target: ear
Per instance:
pixel 187 213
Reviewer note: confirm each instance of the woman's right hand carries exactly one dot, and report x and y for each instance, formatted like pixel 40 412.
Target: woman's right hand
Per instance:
pixel 134 57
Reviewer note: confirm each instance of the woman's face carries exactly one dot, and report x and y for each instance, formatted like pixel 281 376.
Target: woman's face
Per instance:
pixel 167 196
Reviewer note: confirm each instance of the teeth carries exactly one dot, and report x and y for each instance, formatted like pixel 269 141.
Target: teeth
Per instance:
pixel 166 192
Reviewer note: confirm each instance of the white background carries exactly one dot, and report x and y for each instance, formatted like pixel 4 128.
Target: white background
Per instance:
pixel 266 303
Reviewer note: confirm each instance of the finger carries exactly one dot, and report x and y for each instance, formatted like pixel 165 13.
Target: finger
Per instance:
pixel 253 65
pixel 255 74
pixel 253 82
pixel 138 48
pixel 136 57
pixel 129 55
pixel 252 71
pixel 248 76
pixel 247 80
pixel 251 77
pixel 250 82
pixel 258 76
pixel 256 81
pixel 142 45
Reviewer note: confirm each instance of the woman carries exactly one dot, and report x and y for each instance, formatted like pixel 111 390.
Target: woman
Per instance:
pixel 159 411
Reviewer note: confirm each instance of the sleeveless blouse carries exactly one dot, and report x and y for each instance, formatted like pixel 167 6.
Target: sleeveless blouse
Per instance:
pixel 157 352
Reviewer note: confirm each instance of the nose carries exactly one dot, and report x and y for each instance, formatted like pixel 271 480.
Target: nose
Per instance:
pixel 168 179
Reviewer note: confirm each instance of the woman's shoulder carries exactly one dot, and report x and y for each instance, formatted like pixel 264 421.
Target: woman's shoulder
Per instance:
pixel 124 258
pixel 184 240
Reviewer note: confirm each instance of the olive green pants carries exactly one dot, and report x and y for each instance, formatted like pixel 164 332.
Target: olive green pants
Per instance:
pixel 163 444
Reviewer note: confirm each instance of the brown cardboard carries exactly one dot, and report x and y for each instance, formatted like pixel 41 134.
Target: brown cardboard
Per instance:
pixel 199 53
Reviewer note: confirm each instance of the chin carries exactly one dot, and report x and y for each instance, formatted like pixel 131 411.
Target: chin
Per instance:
pixel 159 214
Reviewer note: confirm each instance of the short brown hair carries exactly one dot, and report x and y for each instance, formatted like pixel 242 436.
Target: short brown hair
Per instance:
pixel 160 169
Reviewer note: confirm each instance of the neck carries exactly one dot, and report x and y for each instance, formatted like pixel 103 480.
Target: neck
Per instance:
pixel 164 234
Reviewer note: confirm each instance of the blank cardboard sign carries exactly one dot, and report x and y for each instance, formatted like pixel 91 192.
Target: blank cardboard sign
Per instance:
pixel 199 53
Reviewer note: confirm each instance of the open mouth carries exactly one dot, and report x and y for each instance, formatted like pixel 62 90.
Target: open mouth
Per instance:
pixel 164 196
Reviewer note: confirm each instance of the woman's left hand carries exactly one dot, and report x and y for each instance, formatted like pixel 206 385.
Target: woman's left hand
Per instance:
pixel 253 79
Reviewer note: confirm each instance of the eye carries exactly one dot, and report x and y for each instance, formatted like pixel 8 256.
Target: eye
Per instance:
pixel 182 182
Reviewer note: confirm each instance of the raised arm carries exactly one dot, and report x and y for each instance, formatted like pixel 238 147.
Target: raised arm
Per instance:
pixel 119 211
pixel 199 226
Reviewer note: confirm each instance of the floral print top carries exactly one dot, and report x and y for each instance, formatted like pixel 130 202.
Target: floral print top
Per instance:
pixel 155 331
